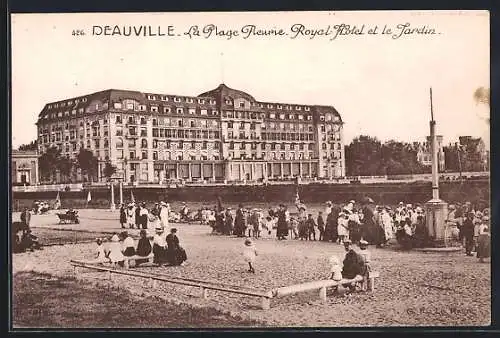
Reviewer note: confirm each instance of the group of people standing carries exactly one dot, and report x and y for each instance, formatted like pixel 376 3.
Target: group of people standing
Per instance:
pixel 137 215
pixel 473 227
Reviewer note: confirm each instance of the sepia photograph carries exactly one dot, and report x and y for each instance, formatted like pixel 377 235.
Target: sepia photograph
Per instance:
pixel 250 170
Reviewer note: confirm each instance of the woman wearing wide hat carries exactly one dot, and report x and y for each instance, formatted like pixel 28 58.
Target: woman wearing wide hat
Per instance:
pixel 159 246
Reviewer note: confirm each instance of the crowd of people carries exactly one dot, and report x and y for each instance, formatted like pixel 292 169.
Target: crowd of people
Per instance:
pixel 375 224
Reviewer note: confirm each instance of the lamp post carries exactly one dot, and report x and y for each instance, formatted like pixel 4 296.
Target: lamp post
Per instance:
pixel 112 207
pixel 436 209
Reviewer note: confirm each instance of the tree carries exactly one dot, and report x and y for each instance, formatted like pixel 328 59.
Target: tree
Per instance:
pixel 48 163
pixel 29 147
pixel 65 166
pixel 363 156
pixel 367 156
pixel 109 170
pixel 87 162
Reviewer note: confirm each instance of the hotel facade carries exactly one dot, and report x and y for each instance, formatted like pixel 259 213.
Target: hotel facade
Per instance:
pixel 221 135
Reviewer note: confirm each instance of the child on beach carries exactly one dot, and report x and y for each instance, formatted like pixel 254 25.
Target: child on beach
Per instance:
pixel 321 226
pixel 101 255
pixel 335 268
pixel 367 257
pixel 250 254
pixel 294 227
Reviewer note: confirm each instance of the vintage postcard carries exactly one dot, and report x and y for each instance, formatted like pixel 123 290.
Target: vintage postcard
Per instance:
pixel 250 170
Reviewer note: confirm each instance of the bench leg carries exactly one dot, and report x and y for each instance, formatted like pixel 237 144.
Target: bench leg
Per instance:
pixel 204 293
pixel 371 284
pixel 109 275
pixel 322 294
pixel 266 303
pixel 126 264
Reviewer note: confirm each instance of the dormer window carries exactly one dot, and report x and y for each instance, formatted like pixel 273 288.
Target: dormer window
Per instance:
pixel 261 105
pixel 307 108
pixel 130 106
pixel 189 100
pixel 177 99
pixel 242 104
pixel 201 101
pixel 166 110
pixel 154 109
pixel 142 107
pixel 84 99
pixel 228 101
pixel 192 111
pixel 164 98
pixel 269 105
pixel 212 102
pixel 279 106
pixel 150 97
pixel 298 108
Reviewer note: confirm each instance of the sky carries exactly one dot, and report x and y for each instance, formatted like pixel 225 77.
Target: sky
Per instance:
pixel 379 83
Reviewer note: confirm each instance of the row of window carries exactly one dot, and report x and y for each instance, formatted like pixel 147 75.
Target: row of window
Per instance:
pixel 95 107
pixel 287 137
pixel 272 146
pixel 153 97
pixel 169 110
pixel 144 144
pixel 198 123
pixel 67 103
pixel 271 156
pixel 181 133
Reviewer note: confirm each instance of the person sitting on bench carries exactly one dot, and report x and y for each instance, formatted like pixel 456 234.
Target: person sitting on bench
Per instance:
pixel 101 255
pixel 354 264
pixel 128 245
pixel 143 248
pixel 115 251
pixel 335 269
pixel 159 246
pixel 175 254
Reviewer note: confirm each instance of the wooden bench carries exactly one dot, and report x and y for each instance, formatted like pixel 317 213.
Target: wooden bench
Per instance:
pixel 126 260
pixel 322 285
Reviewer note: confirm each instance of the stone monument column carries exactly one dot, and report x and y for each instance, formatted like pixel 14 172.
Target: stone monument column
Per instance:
pixel 436 209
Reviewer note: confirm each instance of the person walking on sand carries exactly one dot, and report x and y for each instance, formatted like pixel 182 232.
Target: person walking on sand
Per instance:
pixel 123 216
pixel 468 233
pixel 484 239
pixel 131 216
pixel 164 214
pixel 250 254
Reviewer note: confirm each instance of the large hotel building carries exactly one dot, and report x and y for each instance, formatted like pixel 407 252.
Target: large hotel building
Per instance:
pixel 222 134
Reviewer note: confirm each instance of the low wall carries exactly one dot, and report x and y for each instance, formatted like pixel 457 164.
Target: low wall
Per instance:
pixel 418 192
